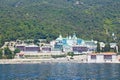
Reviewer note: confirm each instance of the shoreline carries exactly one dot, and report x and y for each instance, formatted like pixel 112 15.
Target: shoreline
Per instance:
pixel 39 61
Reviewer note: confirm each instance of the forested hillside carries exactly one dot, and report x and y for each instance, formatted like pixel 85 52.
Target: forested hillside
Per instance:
pixel 89 19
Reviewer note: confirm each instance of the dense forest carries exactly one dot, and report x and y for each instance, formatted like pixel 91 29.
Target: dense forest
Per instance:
pixel 89 19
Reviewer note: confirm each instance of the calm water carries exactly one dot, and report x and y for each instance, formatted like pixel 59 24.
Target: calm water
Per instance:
pixel 60 71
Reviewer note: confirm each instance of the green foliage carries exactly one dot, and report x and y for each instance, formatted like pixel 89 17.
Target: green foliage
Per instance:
pixel 36 41
pixel 98 47
pixel 1 53
pixel 70 54
pixel 34 19
pixel 107 48
pixel 16 51
pixel 1 41
pixel 58 56
pixel 8 53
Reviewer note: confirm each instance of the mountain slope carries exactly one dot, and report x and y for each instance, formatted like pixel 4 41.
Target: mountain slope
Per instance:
pixel 89 19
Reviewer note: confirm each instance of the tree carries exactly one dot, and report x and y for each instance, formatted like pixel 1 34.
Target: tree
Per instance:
pixel 1 53
pixel 70 54
pixel 8 53
pixel 1 40
pixel 16 50
pixel 36 41
pixel 107 48
pixel 98 47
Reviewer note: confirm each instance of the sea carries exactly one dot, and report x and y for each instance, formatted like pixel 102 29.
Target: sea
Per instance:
pixel 60 71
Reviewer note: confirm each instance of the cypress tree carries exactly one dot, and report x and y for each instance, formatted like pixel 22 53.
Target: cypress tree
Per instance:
pixel 1 53
pixel 107 48
pixel 98 47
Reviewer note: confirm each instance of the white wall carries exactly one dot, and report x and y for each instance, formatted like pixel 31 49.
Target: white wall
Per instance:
pixel 100 58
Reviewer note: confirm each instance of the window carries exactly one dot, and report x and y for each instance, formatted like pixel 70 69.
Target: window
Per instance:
pixel 107 56
pixel 93 56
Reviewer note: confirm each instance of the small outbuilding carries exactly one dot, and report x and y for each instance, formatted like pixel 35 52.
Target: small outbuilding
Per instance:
pixel 102 57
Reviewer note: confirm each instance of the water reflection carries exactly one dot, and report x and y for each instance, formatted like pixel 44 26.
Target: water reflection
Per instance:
pixel 60 71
